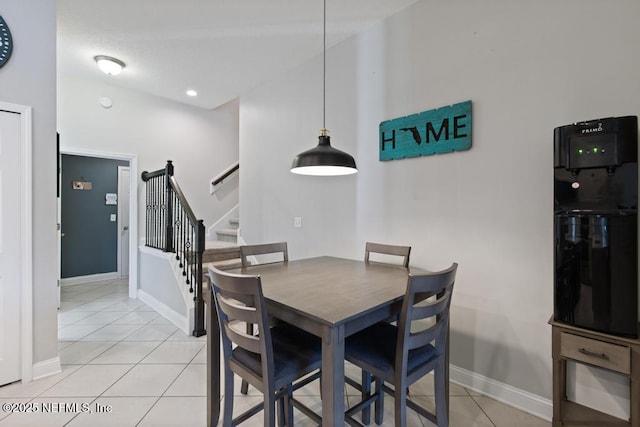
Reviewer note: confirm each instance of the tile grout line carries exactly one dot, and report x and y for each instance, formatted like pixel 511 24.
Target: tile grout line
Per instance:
pixel 139 362
pixel 114 343
pixel 483 411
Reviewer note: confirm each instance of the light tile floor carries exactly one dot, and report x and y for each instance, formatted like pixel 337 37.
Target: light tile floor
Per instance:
pixel 125 365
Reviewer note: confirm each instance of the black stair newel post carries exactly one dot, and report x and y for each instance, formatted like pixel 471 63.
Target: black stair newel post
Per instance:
pixel 168 207
pixel 198 324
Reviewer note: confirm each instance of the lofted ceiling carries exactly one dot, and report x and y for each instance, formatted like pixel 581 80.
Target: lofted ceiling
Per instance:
pixel 220 48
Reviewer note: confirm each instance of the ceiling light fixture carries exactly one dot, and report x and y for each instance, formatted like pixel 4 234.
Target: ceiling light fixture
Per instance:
pixel 324 160
pixel 191 92
pixel 109 65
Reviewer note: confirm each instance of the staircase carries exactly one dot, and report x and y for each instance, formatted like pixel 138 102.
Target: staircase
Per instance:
pixel 224 252
pixel 172 227
pixel 229 234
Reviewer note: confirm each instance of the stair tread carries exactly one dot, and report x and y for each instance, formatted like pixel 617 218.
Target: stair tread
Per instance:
pixel 219 244
pixel 228 231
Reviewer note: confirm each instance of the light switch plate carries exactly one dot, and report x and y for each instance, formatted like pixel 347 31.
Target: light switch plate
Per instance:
pixel 113 217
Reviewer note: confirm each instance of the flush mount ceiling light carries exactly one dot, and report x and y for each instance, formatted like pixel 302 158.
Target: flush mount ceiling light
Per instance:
pixel 324 160
pixel 191 92
pixel 109 65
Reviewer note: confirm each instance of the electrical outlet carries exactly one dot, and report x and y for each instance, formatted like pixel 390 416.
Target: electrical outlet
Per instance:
pixel 297 222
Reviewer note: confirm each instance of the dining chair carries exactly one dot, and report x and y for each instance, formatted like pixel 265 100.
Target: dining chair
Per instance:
pixel 364 386
pixel 270 360
pixel 384 249
pixel 247 251
pixel 399 356
pixel 220 258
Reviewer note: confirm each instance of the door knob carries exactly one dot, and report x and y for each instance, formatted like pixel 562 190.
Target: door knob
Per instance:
pixel 125 228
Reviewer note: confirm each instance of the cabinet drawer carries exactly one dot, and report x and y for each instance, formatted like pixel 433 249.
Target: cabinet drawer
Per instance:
pixel 605 355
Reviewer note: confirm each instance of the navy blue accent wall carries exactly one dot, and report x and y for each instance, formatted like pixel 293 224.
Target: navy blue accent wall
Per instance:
pixel 90 240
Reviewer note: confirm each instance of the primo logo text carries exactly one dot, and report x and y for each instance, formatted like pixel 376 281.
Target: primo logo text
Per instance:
pixel 591 130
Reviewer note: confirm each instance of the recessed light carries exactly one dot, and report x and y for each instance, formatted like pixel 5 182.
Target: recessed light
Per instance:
pixel 192 92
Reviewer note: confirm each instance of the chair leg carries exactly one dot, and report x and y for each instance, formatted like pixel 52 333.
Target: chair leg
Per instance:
pixel 281 421
pixel 269 409
pixel 379 406
pixel 244 386
pixel 400 402
pixel 228 398
pixel 288 406
pixel 366 393
pixel 442 416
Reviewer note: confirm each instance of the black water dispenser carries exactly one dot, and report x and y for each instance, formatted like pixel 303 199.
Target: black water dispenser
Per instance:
pixel 596 225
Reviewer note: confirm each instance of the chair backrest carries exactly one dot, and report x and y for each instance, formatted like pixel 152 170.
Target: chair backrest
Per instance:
pixel 220 254
pixel 428 296
pixel 379 248
pixel 263 249
pixel 239 301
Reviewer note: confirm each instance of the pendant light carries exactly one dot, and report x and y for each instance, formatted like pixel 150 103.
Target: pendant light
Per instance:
pixel 324 160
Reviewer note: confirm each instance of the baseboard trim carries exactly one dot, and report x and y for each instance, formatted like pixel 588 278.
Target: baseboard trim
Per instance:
pixel 88 279
pixel 46 368
pixel 171 315
pixel 520 399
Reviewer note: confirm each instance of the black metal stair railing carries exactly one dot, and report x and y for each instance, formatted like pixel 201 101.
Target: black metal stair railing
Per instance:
pixel 171 226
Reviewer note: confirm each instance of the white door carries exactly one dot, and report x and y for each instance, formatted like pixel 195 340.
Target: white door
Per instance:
pixel 123 220
pixel 10 247
pixel 59 221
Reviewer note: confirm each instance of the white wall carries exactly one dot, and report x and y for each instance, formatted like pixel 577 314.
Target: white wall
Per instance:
pixel 164 289
pixel 201 143
pixel 277 121
pixel 528 67
pixel 29 78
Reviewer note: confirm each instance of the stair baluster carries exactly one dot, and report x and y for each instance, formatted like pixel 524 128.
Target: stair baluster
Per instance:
pixel 171 226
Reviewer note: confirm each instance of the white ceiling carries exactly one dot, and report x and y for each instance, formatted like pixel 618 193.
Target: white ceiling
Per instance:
pixel 221 48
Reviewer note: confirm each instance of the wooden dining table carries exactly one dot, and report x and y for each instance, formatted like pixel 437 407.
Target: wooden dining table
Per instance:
pixel 329 297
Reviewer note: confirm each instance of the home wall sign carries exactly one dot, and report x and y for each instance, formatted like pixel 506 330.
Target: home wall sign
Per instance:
pixel 437 131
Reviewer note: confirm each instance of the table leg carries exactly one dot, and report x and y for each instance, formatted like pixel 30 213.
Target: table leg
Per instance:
pixel 559 369
pixel 635 403
pixel 213 362
pixel 446 370
pixel 333 377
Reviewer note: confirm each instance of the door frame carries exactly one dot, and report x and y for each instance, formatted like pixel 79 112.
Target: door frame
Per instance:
pixel 26 234
pixel 120 169
pixel 133 204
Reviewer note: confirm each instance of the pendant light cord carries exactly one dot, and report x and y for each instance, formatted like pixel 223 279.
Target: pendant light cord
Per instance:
pixel 324 67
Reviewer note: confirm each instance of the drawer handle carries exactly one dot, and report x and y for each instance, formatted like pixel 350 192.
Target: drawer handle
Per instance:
pixel 594 354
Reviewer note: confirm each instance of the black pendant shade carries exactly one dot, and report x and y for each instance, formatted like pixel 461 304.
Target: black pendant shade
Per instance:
pixel 324 160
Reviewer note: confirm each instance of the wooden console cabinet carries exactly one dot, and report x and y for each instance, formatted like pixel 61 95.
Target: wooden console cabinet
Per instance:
pixel 618 354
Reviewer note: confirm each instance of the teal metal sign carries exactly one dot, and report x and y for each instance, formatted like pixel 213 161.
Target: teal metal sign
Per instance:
pixel 438 131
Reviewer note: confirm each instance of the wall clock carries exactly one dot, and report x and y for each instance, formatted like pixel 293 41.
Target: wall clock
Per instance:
pixel 6 42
